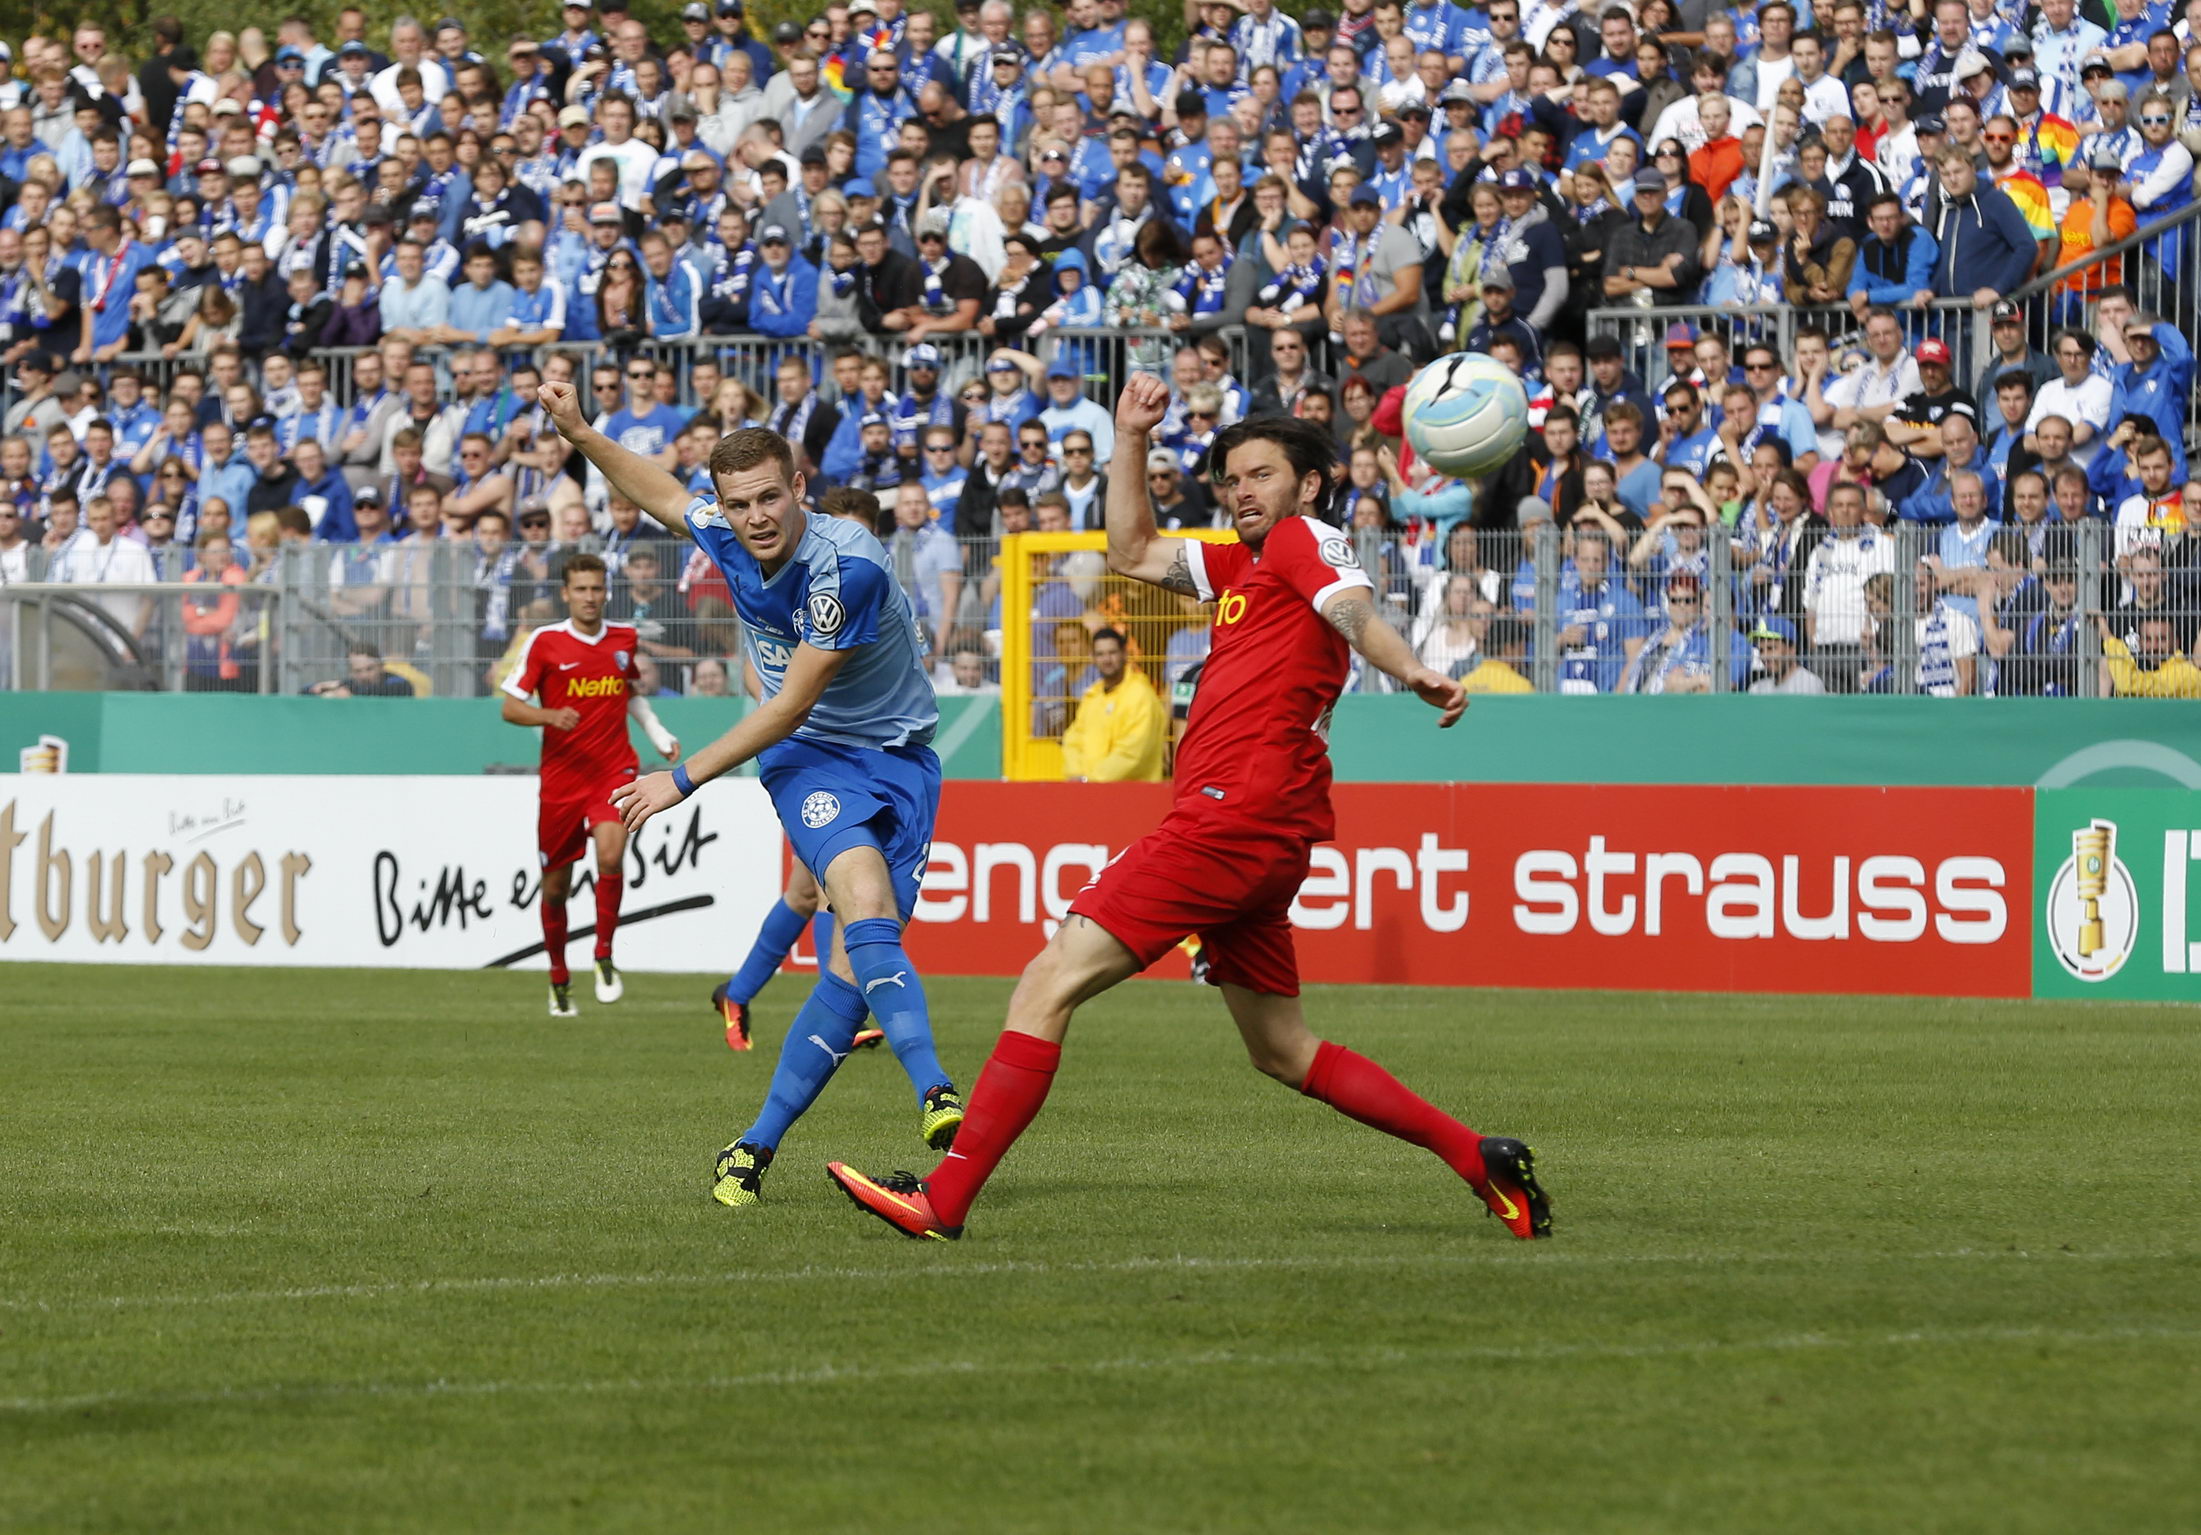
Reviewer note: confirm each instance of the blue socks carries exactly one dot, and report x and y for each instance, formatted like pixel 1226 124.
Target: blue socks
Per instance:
pixel 817 1042
pixel 782 926
pixel 895 996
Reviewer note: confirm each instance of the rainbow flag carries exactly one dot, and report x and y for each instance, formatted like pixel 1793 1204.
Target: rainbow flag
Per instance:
pixel 2047 146
pixel 2025 189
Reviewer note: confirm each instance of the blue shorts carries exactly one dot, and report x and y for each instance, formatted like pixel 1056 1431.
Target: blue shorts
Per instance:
pixel 831 798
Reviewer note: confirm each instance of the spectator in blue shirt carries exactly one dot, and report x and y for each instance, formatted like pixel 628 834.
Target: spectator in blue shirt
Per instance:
pixel 1986 248
pixel 481 305
pixel 783 290
pixel 2154 384
pixel 675 294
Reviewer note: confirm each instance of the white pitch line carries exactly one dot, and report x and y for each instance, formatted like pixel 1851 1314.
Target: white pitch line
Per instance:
pixel 1506 1257
pixel 1369 1358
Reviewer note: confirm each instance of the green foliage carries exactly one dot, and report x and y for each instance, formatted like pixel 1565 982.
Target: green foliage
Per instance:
pixel 307 1250
pixel 490 21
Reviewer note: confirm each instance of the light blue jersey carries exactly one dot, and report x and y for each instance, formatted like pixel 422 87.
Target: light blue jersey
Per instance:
pixel 837 593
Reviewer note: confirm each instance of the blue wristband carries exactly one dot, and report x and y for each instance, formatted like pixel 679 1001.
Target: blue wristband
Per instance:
pixel 682 781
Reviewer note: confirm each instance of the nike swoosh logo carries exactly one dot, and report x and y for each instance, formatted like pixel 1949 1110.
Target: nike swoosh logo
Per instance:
pixel 567 666
pixel 886 1193
pixel 955 1156
pixel 838 1055
pixel 1510 1213
pixel 896 979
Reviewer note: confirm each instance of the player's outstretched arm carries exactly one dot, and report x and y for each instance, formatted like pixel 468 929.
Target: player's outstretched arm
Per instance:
pixel 1136 547
pixel 1351 614
pixel 633 476
pixel 771 722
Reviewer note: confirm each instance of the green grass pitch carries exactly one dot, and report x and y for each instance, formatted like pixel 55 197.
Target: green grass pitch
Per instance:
pixel 356 1250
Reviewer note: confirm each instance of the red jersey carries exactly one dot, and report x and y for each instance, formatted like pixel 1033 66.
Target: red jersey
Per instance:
pixel 1256 748
pixel 567 670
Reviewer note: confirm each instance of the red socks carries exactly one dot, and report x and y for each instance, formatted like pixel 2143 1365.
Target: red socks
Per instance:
pixel 1006 1099
pixel 609 888
pixel 554 940
pixel 1360 1089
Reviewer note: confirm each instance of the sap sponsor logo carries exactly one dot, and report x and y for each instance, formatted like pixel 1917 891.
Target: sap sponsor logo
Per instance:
pixel 1884 898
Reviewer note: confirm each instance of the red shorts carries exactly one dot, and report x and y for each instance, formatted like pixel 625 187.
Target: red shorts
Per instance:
pixel 562 826
pixel 1232 886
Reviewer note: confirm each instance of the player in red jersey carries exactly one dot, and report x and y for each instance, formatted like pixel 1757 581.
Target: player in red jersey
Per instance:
pixel 583 671
pixel 1253 796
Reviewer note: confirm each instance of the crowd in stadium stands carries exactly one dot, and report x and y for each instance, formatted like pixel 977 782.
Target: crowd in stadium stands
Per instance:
pixel 304 292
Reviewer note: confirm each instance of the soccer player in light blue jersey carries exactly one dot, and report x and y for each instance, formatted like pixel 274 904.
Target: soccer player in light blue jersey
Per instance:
pixel 841 741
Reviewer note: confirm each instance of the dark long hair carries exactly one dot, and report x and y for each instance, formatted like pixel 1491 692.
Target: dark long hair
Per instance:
pixel 1308 448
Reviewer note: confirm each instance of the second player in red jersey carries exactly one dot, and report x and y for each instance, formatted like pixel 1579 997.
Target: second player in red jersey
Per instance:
pixel 583 672
pixel 1291 607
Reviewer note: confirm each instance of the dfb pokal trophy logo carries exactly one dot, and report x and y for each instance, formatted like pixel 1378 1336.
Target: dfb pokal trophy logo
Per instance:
pixel 2093 911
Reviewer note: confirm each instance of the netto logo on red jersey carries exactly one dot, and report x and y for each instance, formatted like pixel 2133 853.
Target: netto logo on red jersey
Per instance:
pixel 596 687
pixel 1231 606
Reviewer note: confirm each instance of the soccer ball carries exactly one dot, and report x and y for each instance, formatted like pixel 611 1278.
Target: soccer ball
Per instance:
pixel 1466 414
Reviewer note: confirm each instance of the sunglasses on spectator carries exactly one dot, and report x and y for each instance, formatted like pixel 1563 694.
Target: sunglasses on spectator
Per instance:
pixel 2152 120
pixel 173 474
pixel 1757 367
pixel 939 447
pixel 1201 415
pixel 643 375
pixel 2011 138
pixel 149 516
pixel 1077 452
pixel 534 522
pixel 1678 600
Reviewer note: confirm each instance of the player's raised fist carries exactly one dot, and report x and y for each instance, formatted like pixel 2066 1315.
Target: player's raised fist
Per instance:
pixel 562 405
pixel 1143 403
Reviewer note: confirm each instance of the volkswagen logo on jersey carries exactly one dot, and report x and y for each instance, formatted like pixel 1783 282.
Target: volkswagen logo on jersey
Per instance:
pixel 1337 551
pixel 820 808
pixel 825 616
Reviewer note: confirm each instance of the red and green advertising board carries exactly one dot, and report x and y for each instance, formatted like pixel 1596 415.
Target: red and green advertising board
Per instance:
pixel 1868 891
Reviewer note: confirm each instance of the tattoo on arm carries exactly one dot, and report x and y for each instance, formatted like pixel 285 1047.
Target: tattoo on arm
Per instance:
pixel 1351 616
pixel 1178 578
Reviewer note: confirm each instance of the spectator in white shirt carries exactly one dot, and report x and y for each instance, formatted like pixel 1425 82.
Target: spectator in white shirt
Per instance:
pixel 1888 377
pixel 1834 586
pixel 98 555
pixel 2079 394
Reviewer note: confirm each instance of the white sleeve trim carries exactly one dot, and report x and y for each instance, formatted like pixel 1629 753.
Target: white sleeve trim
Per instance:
pixel 1196 559
pixel 1345 582
pixel 519 668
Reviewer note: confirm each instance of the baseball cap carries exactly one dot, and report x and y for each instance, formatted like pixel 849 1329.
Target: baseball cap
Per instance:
pixel 1971 64
pixel 228 106
pixel 2025 80
pixel 1159 459
pixel 606 213
pixel 812 154
pixel 870 418
pixel 923 355
pixel 1932 349
pixel 1000 364
pixel 351 47
pixel 1762 232
pixel 1006 56
pixel 2005 310
pixel 2106 158
pixel 787 34
pixel 1061 367
pixel 862 8
pixel 289 55
pixel 1318 21
pixel 1191 104
pixel 367 493
pixel 1930 125
pixel 695 11
pixel 569 117
pixel 1498 277
pixel 1458 94
pixel 2095 63
pixel 1774 628
pixel 772 234
pixel 424 208
pixel 244 167
pixel 933 223
pixel 730 8
pixel 2019 46
pixel 1386 133
pixel 1517 180
pixel 1961 408
pixel 141 168
pixel 1680 333
pixel 1366 196
pixel 858 187
pixel 1648 178
pixel 208 167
